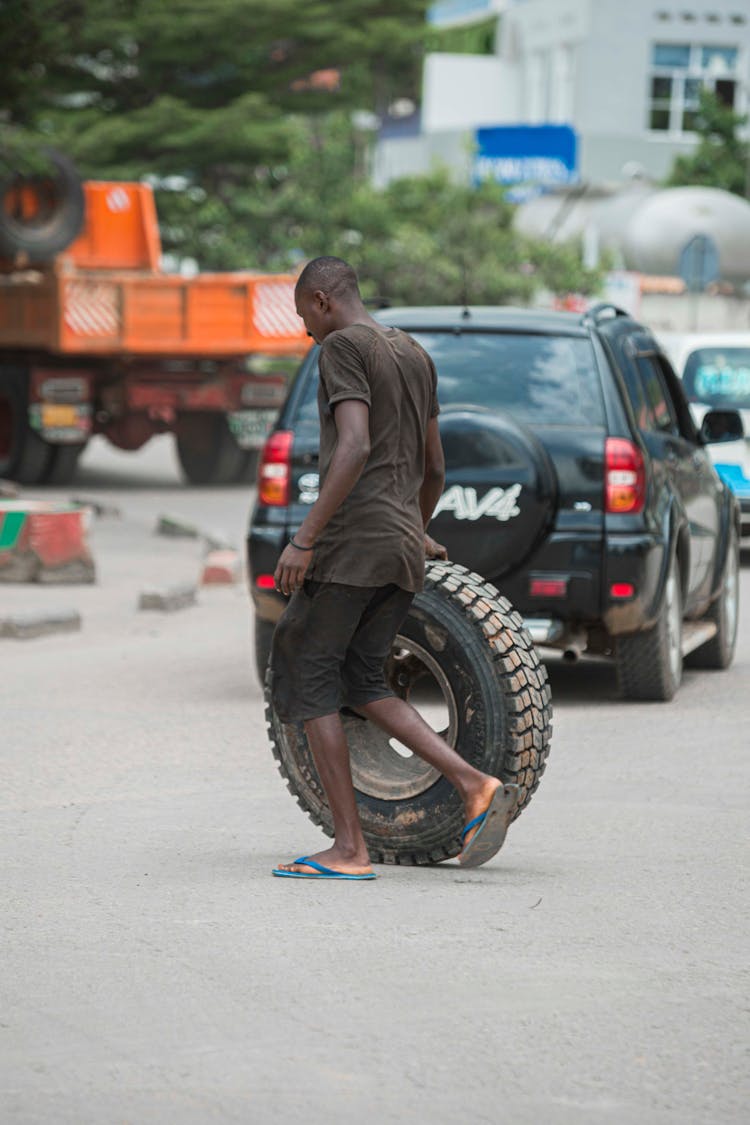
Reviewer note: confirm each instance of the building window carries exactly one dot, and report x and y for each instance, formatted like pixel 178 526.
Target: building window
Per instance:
pixel 679 71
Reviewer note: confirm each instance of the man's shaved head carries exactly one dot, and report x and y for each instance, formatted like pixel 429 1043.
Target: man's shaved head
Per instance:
pixel 332 276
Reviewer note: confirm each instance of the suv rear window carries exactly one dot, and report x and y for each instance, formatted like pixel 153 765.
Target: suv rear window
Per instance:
pixel 545 380
pixel 719 377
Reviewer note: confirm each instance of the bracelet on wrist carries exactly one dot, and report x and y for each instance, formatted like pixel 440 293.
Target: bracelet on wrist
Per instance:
pixel 298 546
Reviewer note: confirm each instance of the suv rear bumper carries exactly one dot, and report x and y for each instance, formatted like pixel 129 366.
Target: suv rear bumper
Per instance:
pixel 637 559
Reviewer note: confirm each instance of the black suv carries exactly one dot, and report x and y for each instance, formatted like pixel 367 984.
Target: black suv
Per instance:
pixel 576 483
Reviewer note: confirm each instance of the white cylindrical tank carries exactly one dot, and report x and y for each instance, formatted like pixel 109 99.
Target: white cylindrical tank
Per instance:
pixel 658 231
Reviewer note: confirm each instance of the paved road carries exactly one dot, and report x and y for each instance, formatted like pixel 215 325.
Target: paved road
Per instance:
pixel 154 972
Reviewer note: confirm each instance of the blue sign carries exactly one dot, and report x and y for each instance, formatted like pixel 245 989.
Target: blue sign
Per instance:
pixel 538 156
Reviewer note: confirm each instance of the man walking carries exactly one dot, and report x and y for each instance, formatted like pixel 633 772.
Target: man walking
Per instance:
pixel 357 561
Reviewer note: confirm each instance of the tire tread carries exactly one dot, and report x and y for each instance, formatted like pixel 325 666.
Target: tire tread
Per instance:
pixel 523 688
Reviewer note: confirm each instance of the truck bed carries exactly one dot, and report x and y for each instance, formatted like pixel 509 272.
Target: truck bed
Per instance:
pixel 70 311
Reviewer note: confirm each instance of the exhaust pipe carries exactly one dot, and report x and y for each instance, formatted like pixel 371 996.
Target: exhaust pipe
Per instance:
pixel 575 646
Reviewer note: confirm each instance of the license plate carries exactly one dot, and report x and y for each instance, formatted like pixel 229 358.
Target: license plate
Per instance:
pixel 252 427
pixel 56 414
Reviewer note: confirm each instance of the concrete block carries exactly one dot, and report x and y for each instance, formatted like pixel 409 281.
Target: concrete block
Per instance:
pixel 44 541
pixel 101 511
pixel 176 528
pixel 221 568
pixel 9 490
pixel 22 626
pixel 169 599
pixel 77 572
pixel 217 541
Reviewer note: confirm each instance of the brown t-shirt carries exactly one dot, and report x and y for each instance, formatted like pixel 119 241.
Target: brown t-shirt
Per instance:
pixel 376 537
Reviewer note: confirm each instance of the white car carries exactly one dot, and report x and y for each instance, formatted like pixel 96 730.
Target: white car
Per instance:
pixel 715 371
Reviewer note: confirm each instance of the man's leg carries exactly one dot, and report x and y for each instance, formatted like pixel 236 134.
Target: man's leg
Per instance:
pixel 369 694
pixel 402 721
pixel 331 754
pixel 309 649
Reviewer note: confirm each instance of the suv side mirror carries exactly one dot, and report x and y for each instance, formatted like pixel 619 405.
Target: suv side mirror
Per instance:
pixel 721 425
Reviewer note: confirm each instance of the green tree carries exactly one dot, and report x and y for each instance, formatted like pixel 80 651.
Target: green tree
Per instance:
pixel 721 159
pixel 185 87
pixel 257 163
pixel 428 240
pixel 207 99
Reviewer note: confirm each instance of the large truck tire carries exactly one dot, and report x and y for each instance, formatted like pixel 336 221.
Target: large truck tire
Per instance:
pixel 465 660
pixel 63 463
pixel 207 450
pixel 649 664
pixel 24 455
pixel 264 631
pixel 40 215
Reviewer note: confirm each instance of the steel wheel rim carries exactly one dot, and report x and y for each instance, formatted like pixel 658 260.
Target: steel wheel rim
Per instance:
pixel 377 769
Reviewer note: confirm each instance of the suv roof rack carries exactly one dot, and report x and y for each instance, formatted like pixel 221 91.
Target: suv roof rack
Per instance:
pixel 601 310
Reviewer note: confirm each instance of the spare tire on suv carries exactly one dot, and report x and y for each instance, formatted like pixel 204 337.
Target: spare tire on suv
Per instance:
pixel 465 660
pixel 498 469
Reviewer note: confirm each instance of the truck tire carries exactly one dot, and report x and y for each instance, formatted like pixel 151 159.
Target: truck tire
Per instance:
pixel 41 215
pixel 248 473
pixel 725 612
pixel 479 669
pixel 63 464
pixel 649 664
pixel 264 631
pixel 206 449
pixel 24 455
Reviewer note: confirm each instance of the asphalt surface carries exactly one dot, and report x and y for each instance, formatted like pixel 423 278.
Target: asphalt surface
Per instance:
pixel 154 972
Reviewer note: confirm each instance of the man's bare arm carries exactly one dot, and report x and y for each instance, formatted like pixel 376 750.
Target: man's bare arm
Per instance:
pixel 352 418
pixel 432 486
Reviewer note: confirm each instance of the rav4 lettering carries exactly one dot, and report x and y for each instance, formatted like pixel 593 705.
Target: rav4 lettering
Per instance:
pixel 498 503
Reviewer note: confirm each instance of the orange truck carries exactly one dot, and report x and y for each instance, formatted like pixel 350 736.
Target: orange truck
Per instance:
pixel 96 339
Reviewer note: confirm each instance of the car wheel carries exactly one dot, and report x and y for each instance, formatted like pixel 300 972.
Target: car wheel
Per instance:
pixel 725 612
pixel 464 659
pixel 649 664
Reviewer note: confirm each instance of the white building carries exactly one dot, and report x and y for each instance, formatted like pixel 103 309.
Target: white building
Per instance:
pixel 624 74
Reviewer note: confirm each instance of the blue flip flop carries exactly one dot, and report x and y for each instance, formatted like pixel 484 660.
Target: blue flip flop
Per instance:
pixel 491 826
pixel 320 872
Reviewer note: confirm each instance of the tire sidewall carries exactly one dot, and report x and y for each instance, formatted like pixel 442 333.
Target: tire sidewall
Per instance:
pixel 726 642
pixel 673 676
pixel 502 719
pixel 13 402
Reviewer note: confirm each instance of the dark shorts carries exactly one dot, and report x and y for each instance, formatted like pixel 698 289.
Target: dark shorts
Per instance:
pixel 330 648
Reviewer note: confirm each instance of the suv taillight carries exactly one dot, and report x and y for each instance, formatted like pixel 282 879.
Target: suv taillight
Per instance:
pixel 625 477
pixel 275 470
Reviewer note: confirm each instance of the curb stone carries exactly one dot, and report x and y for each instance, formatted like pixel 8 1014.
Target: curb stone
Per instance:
pixel 221 568
pixel 169 599
pixel 176 528
pixel 23 626
pixel 100 510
